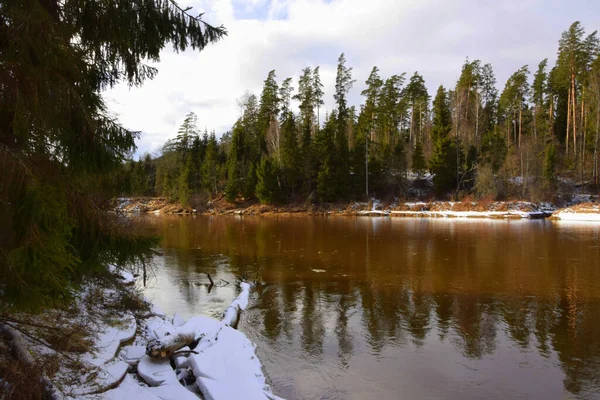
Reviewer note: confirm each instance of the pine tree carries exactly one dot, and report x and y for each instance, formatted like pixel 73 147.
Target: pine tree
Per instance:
pixel 269 111
pixel 417 97
pixel 372 94
pixel 341 167
pixel 317 94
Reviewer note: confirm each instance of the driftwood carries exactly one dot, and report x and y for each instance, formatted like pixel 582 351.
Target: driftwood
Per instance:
pixel 19 348
pixel 191 333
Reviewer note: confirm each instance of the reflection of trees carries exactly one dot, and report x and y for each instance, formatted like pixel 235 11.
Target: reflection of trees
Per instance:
pixel 313 331
pixel 409 284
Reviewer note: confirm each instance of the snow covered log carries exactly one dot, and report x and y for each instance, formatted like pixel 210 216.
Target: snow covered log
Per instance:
pixel 232 314
pixel 198 330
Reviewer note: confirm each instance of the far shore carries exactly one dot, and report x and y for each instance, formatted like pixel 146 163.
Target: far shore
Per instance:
pixel 584 208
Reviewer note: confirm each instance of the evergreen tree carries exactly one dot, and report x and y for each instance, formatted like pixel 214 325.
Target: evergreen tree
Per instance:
pixel 267 187
pixel 372 94
pixel 340 168
pixel 235 164
pixel 327 183
pixel 269 111
pixel 209 166
pixel 58 144
pixel 317 91
pixel 417 97
pixel 285 96
pixel 289 154
pixel 443 162
pixel 419 165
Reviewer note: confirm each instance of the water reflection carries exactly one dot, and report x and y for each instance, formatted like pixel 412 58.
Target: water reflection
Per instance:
pixel 365 307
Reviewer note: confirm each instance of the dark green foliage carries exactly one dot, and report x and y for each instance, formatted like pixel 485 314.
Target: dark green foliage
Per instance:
pixel 59 148
pixel 327 184
pixel 493 150
pixel 290 161
pixel 267 187
pixel 443 163
pixel 550 161
pixel 209 170
pixel 235 165
pixel 419 165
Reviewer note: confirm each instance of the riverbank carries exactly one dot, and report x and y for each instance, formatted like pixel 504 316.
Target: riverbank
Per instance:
pixel 98 349
pixel 567 209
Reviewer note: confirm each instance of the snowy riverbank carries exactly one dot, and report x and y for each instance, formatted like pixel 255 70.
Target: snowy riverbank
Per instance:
pixel 374 207
pixel 589 212
pixel 118 358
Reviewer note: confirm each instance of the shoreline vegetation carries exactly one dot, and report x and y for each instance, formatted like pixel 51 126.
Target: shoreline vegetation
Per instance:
pixel 580 208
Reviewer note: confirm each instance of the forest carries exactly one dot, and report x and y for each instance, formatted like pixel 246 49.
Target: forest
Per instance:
pixel 471 139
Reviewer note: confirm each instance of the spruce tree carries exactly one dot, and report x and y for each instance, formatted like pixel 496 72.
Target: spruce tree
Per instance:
pixel 58 143
pixel 443 159
pixel 418 160
pixel 235 170
pixel 267 187
pixel 209 166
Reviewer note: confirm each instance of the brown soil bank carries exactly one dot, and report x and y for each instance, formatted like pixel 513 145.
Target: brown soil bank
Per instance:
pixel 394 208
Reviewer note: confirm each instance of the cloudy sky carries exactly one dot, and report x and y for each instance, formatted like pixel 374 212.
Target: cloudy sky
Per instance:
pixel 430 36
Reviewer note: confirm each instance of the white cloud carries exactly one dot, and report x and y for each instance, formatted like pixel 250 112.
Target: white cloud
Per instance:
pixel 431 36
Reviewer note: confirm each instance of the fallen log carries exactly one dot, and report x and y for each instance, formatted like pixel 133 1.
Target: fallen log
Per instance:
pixel 200 331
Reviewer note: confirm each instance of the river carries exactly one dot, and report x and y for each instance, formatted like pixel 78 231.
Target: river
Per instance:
pixel 391 308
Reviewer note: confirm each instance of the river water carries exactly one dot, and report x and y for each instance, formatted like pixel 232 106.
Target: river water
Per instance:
pixel 398 308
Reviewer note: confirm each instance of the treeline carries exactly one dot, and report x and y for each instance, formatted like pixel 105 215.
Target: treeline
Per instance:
pixel 472 138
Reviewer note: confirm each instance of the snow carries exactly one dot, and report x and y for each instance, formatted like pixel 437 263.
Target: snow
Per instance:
pixel 229 369
pixel 571 216
pixel 472 214
pixel 110 338
pixel 223 365
pixel 239 303
pixel 155 372
pixel 102 379
pixel 125 277
pixel 172 391
pixel 129 389
pixel 133 354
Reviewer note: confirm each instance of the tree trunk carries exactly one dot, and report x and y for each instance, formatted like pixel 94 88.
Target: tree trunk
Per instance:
pixel 574 110
pixel 477 117
pixel 568 123
pixel 535 111
pixel 583 137
pixel 412 122
pixel 596 144
pixel 520 124
pixel 551 117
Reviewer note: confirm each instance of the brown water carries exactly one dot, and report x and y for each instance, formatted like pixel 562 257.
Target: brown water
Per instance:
pixel 394 308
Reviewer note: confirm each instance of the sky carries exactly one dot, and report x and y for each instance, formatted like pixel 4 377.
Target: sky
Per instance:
pixel 433 37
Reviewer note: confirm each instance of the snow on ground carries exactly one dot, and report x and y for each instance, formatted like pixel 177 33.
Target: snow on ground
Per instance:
pixel 222 366
pixel 220 362
pixel 580 212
